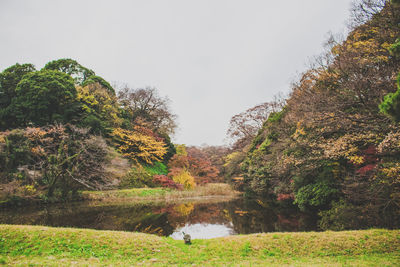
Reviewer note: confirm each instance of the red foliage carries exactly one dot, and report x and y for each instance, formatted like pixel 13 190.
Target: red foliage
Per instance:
pixel 370 160
pixel 174 171
pixel 178 161
pixel 165 181
pixel 197 163
pixel 366 169
pixel 284 197
pixel 202 169
pixel 370 154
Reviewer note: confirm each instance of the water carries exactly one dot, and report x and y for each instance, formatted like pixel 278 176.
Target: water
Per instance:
pixel 201 219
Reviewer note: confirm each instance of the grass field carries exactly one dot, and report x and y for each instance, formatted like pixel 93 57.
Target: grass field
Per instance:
pixel 165 194
pixel 46 246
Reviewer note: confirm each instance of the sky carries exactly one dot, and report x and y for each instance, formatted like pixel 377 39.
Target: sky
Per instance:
pixel 212 58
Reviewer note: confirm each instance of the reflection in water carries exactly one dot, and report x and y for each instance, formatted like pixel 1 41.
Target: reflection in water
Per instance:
pixel 203 231
pixel 200 220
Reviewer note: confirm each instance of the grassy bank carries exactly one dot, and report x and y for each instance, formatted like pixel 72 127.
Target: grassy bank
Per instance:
pixel 22 245
pixel 137 194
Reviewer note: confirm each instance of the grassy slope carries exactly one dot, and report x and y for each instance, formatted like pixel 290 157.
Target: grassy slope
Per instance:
pixel 22 245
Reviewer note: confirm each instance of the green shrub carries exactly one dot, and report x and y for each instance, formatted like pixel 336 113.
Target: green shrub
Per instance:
pixel 341 216
pixel 390 105
pixel 315 195
pixel 137 177
pixel 158 168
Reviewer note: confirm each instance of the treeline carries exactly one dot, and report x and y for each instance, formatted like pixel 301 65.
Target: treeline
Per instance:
pixel 333 146
pixel 65 129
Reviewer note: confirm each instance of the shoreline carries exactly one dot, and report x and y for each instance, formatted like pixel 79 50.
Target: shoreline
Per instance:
pixel 157 194
pixel 208 191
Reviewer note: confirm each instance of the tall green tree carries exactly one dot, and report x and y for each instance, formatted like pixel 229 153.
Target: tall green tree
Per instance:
pixel 83 76
pixel 44 97
pixel 9 79
pixel 71 67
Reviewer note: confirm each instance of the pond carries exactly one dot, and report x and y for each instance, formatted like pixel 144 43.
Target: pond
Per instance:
pixel 203 219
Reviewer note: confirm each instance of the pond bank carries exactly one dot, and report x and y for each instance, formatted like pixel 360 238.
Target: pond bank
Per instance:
pixel 211 190
pixel 23 245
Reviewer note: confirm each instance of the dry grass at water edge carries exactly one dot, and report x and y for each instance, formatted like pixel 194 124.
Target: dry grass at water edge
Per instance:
pixel 209 190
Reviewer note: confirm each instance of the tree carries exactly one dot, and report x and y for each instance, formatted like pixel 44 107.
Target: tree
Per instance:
pixel 138 147
pixel 81 75
pixel 184 178
pixel 100 107
pixel 9 79
pixel 55 161
pixel 44 97
pixel 147 105
pixel 244 126
pixel 97 79
pixel 201 167
pixel 391 103
pixel 331 143
pixel 71 67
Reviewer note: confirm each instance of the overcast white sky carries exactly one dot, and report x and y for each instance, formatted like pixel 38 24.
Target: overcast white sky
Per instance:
pixel 212 58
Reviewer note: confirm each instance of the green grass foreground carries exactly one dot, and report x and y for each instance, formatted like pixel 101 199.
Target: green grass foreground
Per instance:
pixel 38 246
pixel 165 194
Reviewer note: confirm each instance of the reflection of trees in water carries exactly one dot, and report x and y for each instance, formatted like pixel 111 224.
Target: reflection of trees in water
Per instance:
pixel 256 216
pixel 189 213
pixel 184 209
pixel 115 217
pixel 247 217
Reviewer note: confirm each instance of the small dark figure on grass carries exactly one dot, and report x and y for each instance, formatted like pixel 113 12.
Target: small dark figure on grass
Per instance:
pixel 187 238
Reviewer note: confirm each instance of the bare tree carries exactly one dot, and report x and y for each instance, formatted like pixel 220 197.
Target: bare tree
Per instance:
pixel 244 126
pixel 146 104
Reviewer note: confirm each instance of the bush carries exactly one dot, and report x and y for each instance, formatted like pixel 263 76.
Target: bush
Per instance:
pixel 315 195
pixel 343 216
pixel 158 168
pixel 138 177
pixel 165 181
pixel 54 161
pixel 390 105
pixel 183 177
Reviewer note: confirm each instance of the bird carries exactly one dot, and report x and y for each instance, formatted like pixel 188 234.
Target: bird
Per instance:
pixel 187 238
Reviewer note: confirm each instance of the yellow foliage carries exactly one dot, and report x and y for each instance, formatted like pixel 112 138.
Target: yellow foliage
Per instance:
pixel 184 178
pixel 96 99
pixel 230 157
pixel 358 160
pixel 29 189
pixel 34 133
pixel 299 131
pixel 346 146
pixel 238 179
pixel 139 147
pixel 38 150
pixel 393 172
pixel 366 46
pixel 181 150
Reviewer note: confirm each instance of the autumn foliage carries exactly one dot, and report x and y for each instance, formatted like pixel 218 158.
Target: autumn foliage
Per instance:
pixel 165 181
pixel 333 146
pixel 139 147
